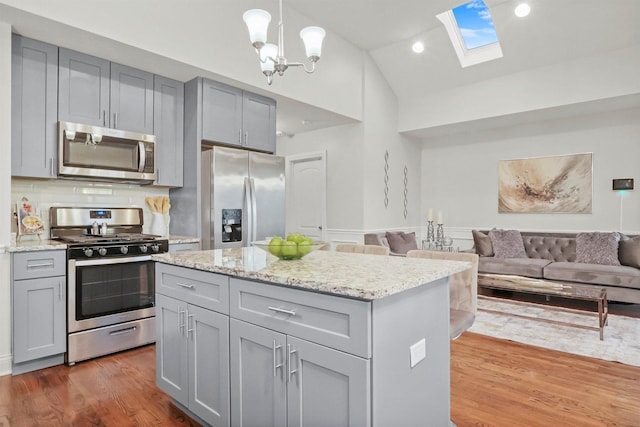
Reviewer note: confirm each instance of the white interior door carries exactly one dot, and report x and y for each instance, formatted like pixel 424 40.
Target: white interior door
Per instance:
pixel 306 200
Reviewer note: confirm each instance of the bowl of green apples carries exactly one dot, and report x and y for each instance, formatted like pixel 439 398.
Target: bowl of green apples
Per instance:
pixel 294 246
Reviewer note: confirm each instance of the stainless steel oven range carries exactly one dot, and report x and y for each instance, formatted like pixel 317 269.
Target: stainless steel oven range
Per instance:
pixel 110 279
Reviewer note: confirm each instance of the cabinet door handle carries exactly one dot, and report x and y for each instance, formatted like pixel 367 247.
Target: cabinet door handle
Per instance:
pixel 115 120
pixel 276 365
pixel 51 166
pixel 59 290
pixel 246 138
pixel 290 371
pixel 104 118
pixel 283 311
pixel 181 321
pixel 240 137
pixel 185 285
pixel 190 328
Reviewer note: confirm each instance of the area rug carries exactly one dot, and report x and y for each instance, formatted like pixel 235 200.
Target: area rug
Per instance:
pixel 621 336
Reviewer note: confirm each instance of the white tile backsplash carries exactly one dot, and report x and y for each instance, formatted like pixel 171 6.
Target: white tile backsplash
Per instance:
pixel 62 192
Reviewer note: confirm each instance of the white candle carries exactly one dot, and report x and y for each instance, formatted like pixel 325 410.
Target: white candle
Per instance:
pixel 440 217
pixel 430 214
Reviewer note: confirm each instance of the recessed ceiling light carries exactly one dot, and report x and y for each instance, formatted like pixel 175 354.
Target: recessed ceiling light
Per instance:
pixel 418 47
pixel 522 10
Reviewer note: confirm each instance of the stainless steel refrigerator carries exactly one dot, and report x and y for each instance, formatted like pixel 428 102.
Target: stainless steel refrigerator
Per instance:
pixel 242 197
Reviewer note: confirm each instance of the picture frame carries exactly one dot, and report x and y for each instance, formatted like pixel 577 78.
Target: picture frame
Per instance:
pixel 29 222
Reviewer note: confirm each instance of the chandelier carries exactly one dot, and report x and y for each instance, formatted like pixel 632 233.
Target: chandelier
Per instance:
pixel 271 56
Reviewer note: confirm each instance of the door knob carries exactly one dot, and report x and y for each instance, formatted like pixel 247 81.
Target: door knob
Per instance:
pixel 319 227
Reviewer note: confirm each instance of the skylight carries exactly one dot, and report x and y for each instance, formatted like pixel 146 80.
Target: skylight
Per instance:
pixel 472 33
pixel 475 24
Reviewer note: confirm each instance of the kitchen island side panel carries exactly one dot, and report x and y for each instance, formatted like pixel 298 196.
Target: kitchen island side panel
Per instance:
pixel 402 395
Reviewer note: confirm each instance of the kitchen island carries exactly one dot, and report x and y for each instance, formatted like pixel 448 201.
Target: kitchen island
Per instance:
pixel 332 339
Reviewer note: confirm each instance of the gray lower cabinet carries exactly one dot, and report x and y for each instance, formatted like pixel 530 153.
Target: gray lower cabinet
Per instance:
pixel 192 348
pixel 96 92
pixel 168 110
pixel 38 290
pixel 34 108
pixel 279 380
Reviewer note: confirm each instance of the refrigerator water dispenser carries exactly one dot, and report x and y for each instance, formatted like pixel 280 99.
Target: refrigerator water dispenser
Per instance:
pixel 231 225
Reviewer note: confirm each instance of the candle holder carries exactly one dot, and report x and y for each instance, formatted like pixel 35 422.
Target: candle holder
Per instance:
pixel 439 236
pixel 431 238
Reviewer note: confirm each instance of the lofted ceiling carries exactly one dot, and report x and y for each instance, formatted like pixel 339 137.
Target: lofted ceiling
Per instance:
pixel 555 31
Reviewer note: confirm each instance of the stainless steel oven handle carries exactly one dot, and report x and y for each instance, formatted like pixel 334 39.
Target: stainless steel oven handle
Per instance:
pixel 108 261
pixel 142 156
pixel 123 331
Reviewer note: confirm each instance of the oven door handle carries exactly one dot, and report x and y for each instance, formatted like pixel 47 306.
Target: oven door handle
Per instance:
pixel 108 261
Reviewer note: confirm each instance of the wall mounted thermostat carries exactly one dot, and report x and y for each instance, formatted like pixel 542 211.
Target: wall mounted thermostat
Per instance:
pixel 623 184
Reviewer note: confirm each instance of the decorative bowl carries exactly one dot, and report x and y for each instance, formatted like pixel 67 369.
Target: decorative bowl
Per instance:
pixel 287 251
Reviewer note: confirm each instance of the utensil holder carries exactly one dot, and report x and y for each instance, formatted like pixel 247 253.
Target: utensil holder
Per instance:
pixel 159 224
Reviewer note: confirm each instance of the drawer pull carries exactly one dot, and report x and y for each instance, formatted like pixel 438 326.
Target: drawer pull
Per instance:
pixel 123 331
pixel 283 311
pixel 276 365
pixel 186 285
pixel 44 264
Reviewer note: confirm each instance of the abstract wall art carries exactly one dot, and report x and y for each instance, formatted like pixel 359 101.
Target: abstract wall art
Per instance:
pixel 555 184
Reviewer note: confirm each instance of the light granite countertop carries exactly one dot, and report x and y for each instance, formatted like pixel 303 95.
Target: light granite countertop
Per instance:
pixel 36 245
pixel 173 239
pixel 361 276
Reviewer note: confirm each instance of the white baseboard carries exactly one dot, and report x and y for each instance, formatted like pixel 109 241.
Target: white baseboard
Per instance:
pixel 5 364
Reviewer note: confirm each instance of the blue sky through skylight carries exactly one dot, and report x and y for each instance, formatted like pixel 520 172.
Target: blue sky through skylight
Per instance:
pixel 475 24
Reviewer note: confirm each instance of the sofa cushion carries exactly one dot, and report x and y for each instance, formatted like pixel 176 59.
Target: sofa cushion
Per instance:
pixel 553 248
pixel 401 243
pixel 482 243
pixel 595 274
pixel 597 248
pixel 629 251
pixel 507 244
pixel 519 266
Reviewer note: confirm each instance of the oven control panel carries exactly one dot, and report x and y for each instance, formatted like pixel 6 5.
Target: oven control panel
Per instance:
pixel 112 250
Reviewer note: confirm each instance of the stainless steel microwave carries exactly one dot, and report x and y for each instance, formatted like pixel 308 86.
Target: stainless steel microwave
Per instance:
pixel 104 154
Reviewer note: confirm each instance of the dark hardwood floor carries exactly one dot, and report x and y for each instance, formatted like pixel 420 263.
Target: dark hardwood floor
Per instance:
pixel 493 383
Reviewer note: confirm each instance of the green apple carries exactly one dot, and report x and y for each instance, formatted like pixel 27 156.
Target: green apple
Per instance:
pixel 289 249
pixel 304 246
pixel 275 246
pixel 295 237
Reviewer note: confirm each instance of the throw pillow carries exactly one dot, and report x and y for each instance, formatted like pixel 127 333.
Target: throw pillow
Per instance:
pixel 629 251
pixel 507 244
pixel 482 243
pixel 401 243
pixel 597 248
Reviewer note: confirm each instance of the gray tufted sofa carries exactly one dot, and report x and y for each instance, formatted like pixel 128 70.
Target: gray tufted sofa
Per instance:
pixel 551 256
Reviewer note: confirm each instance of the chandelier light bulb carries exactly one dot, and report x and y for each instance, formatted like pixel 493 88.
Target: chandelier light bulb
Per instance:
pixel 312 38
pixel 522 10
pixel 257 21
pixel 268 51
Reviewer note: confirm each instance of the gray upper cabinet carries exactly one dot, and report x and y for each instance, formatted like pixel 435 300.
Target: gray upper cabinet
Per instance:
pixel 221 113
pixel 83 89
pixel 131 99
pixel 235 117
pixel 96 92
pixel 168 110
pixel 34 109
pixel 259 122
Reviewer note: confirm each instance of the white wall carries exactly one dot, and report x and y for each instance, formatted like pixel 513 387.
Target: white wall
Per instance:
pixel 380 135
pixel 607 75
pixel 460 173
pixel 355 166
pixel 5 190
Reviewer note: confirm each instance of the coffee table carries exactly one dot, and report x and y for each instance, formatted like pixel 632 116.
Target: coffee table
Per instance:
pixel 547 288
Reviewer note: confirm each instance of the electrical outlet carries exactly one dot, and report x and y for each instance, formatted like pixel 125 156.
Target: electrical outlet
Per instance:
pixel 418 352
